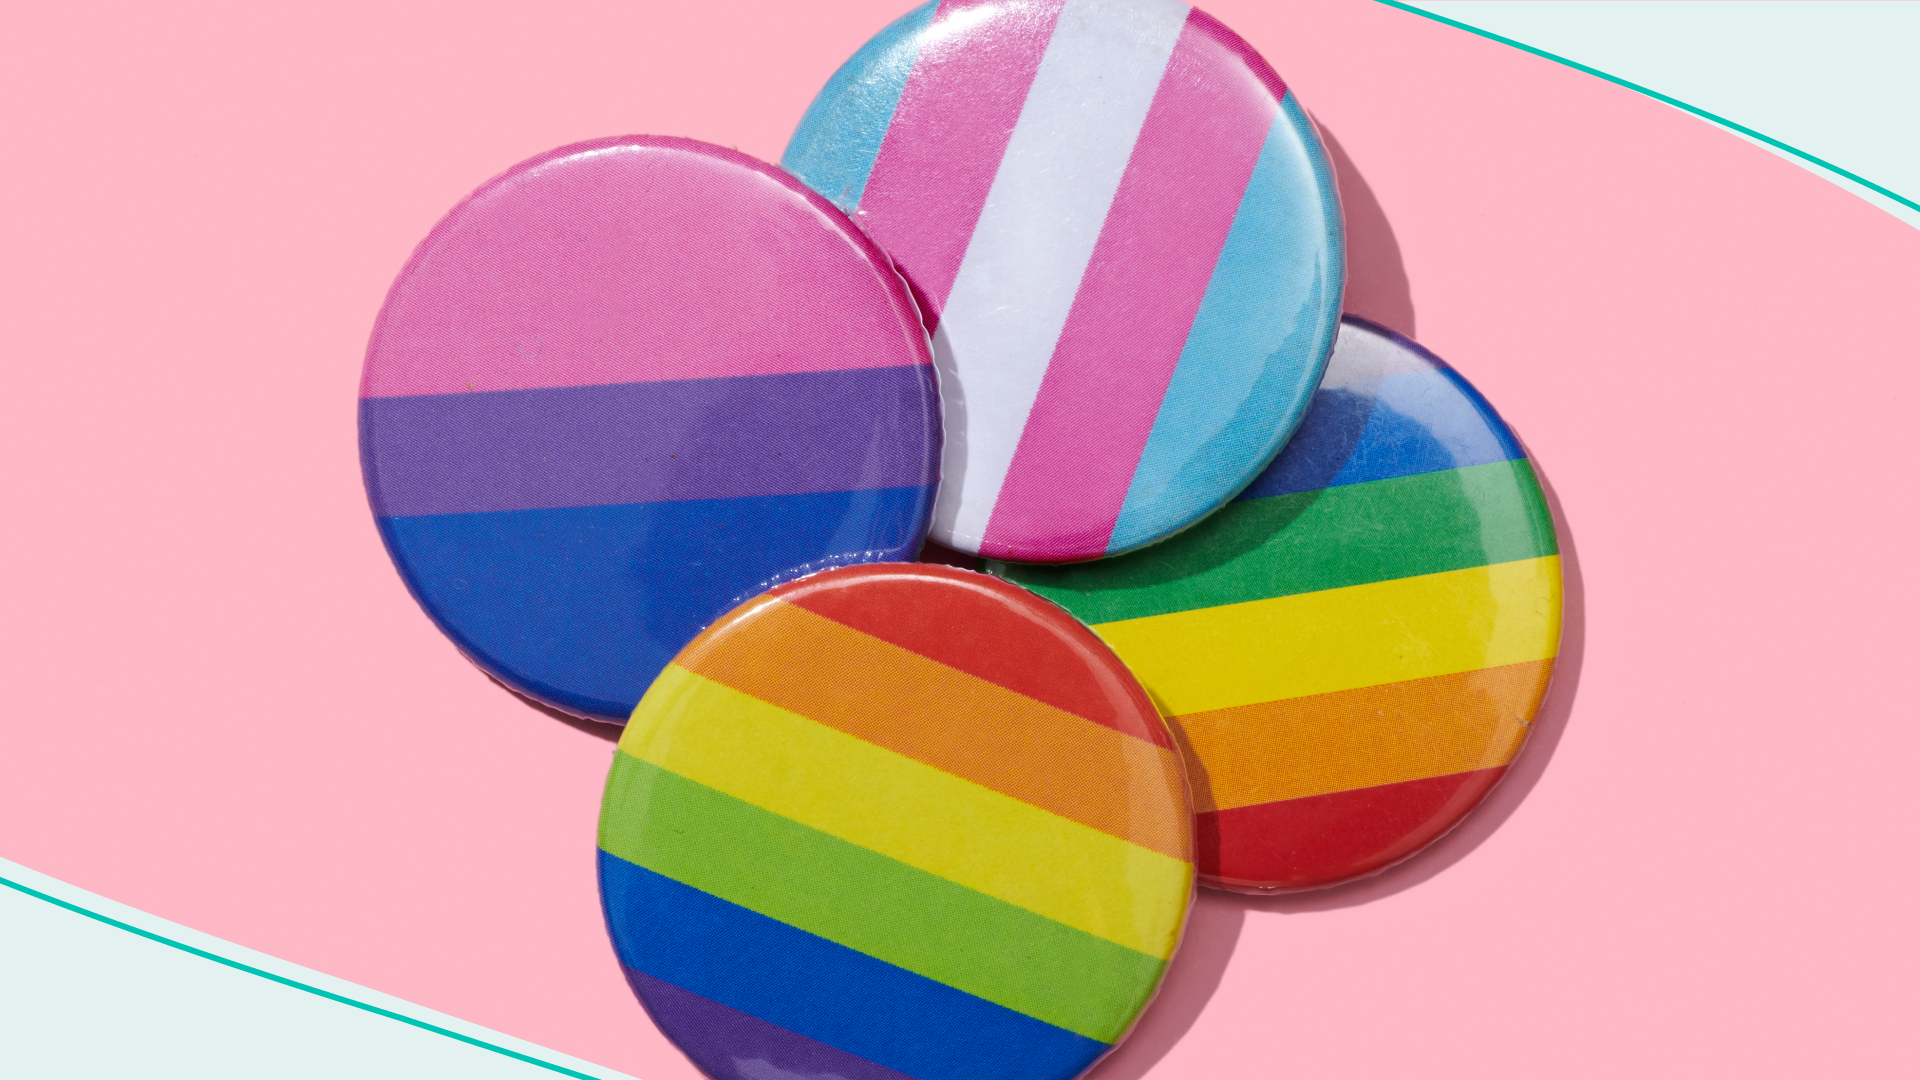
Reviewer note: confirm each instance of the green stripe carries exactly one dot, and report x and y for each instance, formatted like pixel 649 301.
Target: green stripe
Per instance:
pixel 1351 535
pixel 1658 96
pixel 866 901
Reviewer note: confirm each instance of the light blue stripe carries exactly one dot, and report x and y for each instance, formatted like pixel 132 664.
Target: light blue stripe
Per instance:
pixel 1261 337
pixel 833 149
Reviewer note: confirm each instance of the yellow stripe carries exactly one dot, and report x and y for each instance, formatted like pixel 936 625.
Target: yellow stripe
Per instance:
pixel 1341 639
pixel 783 762
pixel 956 722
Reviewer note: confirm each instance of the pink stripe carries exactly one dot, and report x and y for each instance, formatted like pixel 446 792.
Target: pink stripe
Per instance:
pixel 1130 318
pixel 1204 25
pixel 948 135
pixel 638 259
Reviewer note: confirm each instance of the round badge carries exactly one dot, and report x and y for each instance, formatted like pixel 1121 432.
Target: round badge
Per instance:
pixel 895 821
pixel 1124 234
pixel 1353 650
pixel 625 386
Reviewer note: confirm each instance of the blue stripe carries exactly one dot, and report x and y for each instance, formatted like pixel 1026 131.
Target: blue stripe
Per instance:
pixel 826 992
pixel 1261 338
pixel 834 147
pixel 580 607
pixel 1400 425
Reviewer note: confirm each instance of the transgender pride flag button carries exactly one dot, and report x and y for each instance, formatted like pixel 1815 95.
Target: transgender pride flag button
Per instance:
pixel 626 385
pixel 1124 234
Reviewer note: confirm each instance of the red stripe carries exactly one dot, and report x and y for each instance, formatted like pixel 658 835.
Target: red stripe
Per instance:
pixel 993 631
pixel 948 134
pixel 1136 303
pixel 1326 839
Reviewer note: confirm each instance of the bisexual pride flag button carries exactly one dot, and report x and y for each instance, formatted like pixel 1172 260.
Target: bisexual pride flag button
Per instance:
pixel 626 385
pixel 1352 651
pixel 1124 235
pixel 895 822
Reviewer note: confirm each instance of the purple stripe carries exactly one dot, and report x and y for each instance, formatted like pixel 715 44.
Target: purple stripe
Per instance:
pixel 731 1045
pixel 627 443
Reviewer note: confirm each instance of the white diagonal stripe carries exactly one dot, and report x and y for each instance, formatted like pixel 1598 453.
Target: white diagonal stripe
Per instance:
pixel 1360 355
pixel 1035 235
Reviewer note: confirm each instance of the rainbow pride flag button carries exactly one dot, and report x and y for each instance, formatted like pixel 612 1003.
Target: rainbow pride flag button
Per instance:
pixel 626 385
pixel 1125 237
pixel 896 821
pixel 1352 651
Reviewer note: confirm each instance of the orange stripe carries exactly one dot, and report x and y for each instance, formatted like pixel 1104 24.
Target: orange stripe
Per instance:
pixel 990 629
pixel 1325 839
pixel 955 722
pixel 1385 734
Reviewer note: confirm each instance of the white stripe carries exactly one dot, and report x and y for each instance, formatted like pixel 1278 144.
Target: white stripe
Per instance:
pixel 1035 235
pixel 1361 355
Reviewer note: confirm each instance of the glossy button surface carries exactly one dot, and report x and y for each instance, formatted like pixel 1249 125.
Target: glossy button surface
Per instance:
pixel 623 387
pixel 895 821
pixel 1354 649
pixel 1124 233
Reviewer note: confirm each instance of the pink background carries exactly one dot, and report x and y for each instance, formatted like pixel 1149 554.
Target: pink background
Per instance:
pixel 224 709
